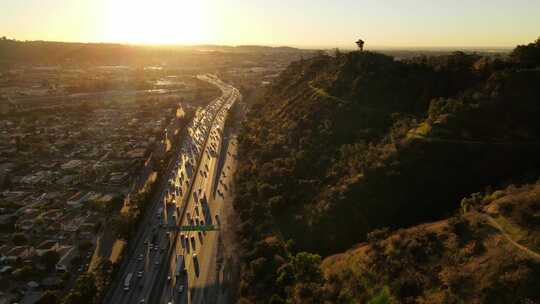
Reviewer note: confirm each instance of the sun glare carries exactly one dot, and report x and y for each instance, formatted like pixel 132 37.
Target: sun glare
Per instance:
pixel 156 22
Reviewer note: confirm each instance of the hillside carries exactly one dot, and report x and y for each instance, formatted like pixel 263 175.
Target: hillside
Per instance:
pixel 491 254
pixel 343 145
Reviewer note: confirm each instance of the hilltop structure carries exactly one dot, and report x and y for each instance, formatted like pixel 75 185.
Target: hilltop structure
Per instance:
pixel 360 44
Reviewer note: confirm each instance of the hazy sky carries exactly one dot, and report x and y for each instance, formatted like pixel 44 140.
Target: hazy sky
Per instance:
pixel 315 23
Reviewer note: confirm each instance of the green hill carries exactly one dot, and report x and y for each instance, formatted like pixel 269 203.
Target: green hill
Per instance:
pixel 343 145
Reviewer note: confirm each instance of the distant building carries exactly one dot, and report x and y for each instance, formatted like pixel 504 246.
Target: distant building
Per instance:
pixel 360 44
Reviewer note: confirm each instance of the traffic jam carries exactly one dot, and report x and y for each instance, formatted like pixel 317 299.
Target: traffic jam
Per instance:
pixel 182 204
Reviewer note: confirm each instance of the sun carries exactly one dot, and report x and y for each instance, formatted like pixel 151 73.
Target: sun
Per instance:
pixel 156 21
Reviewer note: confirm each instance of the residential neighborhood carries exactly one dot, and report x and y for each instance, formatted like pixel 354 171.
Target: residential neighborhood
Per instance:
pixel 65 167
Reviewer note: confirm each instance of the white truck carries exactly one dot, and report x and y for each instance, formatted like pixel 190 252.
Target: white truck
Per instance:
pixel 127 281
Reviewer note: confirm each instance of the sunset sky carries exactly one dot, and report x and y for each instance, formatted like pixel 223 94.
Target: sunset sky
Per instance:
pixel 305 23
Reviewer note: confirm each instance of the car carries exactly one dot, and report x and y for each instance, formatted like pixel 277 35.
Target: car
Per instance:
pixel 157 262
pixel 180 288
pixel 140 258
pixel 182 240
pixel 139 274
pixel 142 301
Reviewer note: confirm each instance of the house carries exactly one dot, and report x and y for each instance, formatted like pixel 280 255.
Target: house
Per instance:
pixel 25 225
pixel 72 164
pixel 69 253
pixel 6 269
pixel 21 252
pixel 48 245
pixel 118 178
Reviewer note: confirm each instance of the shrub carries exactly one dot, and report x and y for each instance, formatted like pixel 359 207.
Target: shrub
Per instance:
pixel 382 297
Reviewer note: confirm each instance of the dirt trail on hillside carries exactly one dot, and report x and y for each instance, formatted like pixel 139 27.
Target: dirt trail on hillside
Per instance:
pixel 529 252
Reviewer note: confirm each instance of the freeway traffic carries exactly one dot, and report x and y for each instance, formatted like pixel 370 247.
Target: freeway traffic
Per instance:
pixel 199 247
pixel 171 266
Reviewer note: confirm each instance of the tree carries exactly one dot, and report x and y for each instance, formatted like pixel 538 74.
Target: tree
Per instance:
pixel 124 224
pixel 527 55
pixel 306 267
pixel 471 202
pixel 85 246
pixel 308 278
pixel 84 291
pixel 24 274
pixel 103 275
pixel 73 297
pixel 66 276
pixel 19 239
pixel 49 297
pixel 49 259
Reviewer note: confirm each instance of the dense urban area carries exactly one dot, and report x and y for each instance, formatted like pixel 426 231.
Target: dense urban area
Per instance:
pixel 86 146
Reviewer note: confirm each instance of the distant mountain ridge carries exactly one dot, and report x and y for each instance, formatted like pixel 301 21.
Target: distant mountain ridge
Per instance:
pixel 46 52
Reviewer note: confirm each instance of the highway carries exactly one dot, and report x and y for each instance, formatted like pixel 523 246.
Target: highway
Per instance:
pixel 199 249
pixel 149 274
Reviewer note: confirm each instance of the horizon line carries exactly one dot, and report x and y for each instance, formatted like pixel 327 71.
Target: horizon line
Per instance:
pixel 304 47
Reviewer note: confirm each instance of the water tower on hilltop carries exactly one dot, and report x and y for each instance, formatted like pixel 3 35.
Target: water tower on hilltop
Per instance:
pixel 360 44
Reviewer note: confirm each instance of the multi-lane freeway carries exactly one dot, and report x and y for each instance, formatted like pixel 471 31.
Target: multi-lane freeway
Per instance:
pixel 171 265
